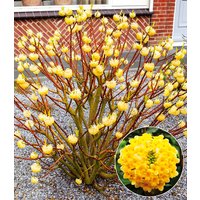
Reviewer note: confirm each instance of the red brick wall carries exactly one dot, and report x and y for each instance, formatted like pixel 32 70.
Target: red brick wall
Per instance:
pixel 163 16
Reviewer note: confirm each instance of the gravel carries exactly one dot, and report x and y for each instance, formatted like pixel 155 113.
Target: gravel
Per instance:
pixel 57 186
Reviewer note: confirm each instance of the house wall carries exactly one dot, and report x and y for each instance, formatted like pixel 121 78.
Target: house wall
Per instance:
pixel 162 16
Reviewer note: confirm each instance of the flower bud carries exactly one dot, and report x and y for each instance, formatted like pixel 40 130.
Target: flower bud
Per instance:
pixel 98 71
pixel 167 104
pixel 36 168
pixel 185 133
pixel 47 149
pixel 93 130
pixel 116 18
pixel 75 94
pixel 67 73
pixel 96 56
pixel 149 74
pixel 27 113
pixel 114 62
pixel 137 46
pixel 176 62
pixel 104 20
pixel 33 56
pixel 60 146
pixel 139 36
pixel 173 110
pixel 156 101
pixel 111 84
pixel 34 155
pixel 144 51
pixel 93 63
pixel 24 85
pixel 31 48
pixel 48 121
pixel 43 90
pixel 21 144
pixel 86 48
pixel 132 14
pixel 161 117
pixel 156 55
pixel 118 135
pixel 181 124
pixel 134 25
pixel 20 68
pixel 117 33
pixel 149 67
pixel 149 103
pixel 179 103
pixel 122 106
pixel 134 83
pixel 29 124
pixel 183 111
pixel 34 180
pixel 97 14
pixel 78 181
pixel 72 139
pixel 150 30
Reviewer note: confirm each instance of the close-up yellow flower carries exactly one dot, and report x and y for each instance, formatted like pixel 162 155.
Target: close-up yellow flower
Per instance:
pixel 149 161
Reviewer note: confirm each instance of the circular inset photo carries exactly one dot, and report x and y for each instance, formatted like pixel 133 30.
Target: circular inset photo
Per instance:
pixel 149 161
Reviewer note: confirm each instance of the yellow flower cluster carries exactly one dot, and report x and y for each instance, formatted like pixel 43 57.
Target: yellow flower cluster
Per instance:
pixel 48 120
pixel 149 161
pixel 75 94
pixel 110 119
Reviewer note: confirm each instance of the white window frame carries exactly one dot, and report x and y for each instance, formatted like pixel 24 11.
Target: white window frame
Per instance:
pixel 138 4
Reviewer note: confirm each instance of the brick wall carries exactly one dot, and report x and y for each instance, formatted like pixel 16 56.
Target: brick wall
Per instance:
pixel 162 16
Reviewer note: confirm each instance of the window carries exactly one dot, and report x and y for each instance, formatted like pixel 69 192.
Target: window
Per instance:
pixel 51 5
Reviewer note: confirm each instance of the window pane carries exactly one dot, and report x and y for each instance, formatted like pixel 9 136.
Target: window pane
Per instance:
pixel 58 2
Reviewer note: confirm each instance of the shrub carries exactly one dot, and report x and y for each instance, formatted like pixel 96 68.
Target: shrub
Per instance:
pixel 107 88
